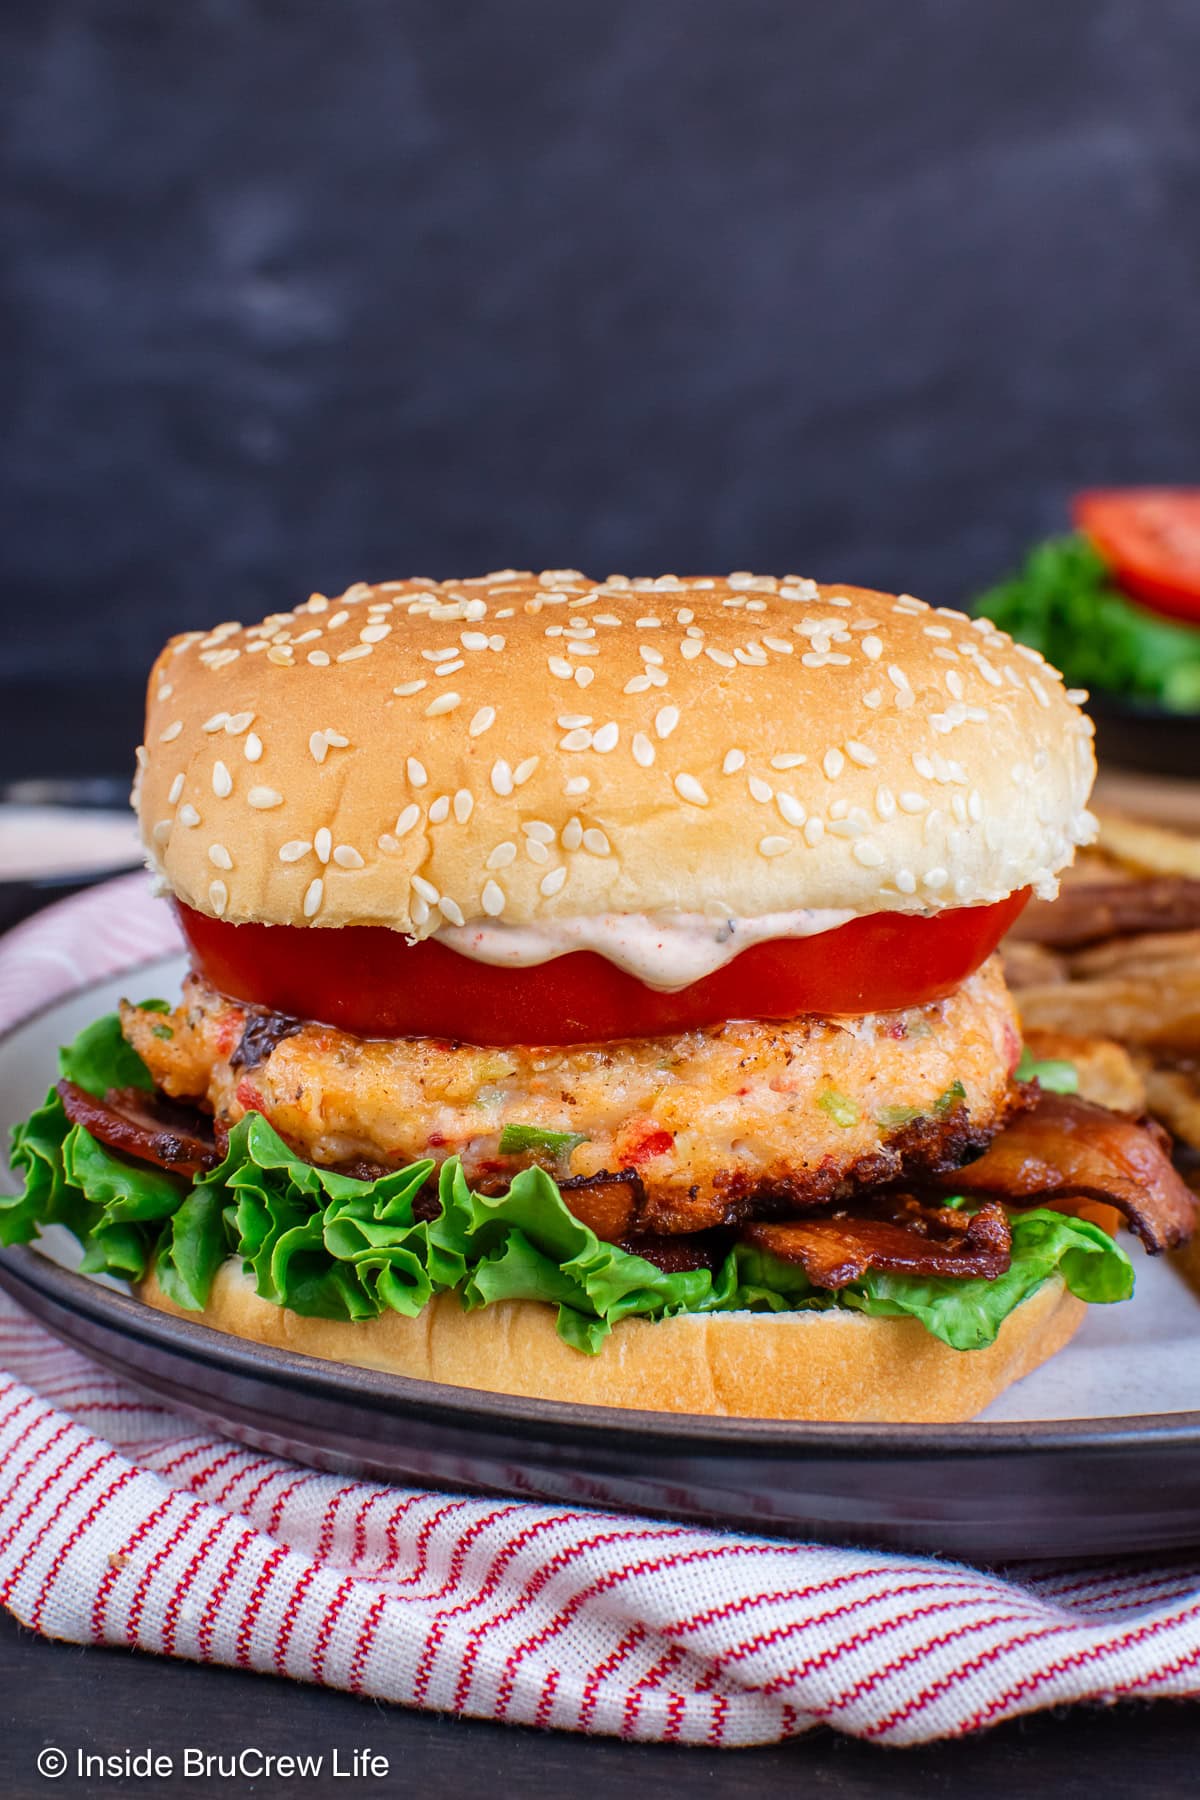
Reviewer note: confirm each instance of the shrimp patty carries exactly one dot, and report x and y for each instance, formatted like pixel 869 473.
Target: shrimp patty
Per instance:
pixel 743 1119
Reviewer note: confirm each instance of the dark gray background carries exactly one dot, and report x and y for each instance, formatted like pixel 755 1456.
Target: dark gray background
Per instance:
pixel 304 291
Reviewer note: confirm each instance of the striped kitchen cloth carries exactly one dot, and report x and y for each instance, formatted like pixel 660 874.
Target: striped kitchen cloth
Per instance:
pixel 120 1522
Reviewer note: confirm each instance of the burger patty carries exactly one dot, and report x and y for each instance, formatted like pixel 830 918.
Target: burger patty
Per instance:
pixel 739 1120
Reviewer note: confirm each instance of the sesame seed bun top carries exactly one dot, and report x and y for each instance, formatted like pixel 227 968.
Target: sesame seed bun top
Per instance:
pixel 520 747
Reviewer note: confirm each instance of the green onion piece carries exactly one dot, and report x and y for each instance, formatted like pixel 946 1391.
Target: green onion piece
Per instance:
pixel 891 1117
pixel 946 1103
pixel 841 1109
pixel 1056 1076
pixel 516 1139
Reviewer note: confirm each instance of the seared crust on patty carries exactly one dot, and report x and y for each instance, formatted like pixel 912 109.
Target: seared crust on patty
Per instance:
pixel 743 1119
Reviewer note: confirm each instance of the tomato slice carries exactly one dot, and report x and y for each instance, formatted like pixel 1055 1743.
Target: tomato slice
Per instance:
pixel 370 981
pixel 1151 537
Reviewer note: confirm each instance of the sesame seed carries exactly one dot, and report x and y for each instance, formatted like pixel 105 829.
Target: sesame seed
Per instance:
pixel 464 805
pixel 734 760
pixel 426 889
pixel 318 746
pixel 409 687
pixel 439 812
pixel 577 739
pixel 560 667
pixel 638 684
pixel 760 790
pixel 665 720
pixel 347 857
pixel 536 852
pixel 502 855
pixel 188 815
pixel 872 648
pixel 913 803
pixel 690 649
pixel 262 798
pixel 374 634
pixel 222 781
pixel 1078 696
pixel 595 841
pixel 721 657
pixel 280 654
pixel 473 640
pixel 450 668
pixel 218 897
pixel 444 703
pixel 216 723
pixel 643 750
pixel 584 676
pixel 451 911
pixel 551 883
pixel 219 856
pixel 418 910
pixel 868 854
pixel 578 784
pixel 885 803
pixel 502 779
pixel 162 831
pixel 492 899
pixel 323 844
pixel 790 809
pixel 689 789
pixel 175 789
pixel 538 829
pixel 572 834
pixel 860 754
pixel 407 819
pixel 171 733
pixel 788 759
pixel 575 649
pixel 313 896
pixel 649 653
pixel 773 846
pixel 873 698
pixel 572 721
pixel 606 738
pixel 936 878
pixel 922 764
pixel 684 616
pixel 416 772
pixel 524 770
pixel 780 645
pixel 833 762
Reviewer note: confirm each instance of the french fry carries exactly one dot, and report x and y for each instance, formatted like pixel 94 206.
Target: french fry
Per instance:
pixel 1173 1095
pixel 1133 1010
pixel 1150 849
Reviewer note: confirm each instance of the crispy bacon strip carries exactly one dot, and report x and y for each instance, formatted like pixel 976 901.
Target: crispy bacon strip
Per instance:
pixel 144 1126
pixel 1066 1149
pixel 609 1204
pixel 913 1240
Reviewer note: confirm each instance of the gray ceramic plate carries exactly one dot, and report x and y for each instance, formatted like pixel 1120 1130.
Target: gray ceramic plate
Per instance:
pixel 1042 1484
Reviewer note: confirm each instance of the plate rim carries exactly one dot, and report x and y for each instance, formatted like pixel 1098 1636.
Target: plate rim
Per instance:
pixel 24 1265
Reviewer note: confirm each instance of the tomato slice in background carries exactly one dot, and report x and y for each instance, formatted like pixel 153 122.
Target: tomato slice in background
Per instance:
pixel 370 981
pixel 1151 539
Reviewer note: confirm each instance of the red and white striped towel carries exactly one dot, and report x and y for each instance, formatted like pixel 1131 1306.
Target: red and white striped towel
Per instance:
pixel 120 1523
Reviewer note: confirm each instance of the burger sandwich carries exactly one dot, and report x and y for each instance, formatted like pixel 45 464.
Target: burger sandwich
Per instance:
pixel 593 996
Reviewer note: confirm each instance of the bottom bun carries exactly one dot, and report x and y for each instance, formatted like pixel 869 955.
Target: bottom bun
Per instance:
pixel 805 1365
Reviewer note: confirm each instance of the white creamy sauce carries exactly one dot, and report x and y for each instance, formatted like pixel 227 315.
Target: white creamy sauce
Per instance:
pixel 668 951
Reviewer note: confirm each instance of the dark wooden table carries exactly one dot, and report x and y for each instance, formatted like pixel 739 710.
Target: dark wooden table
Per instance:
pixel 109 1701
